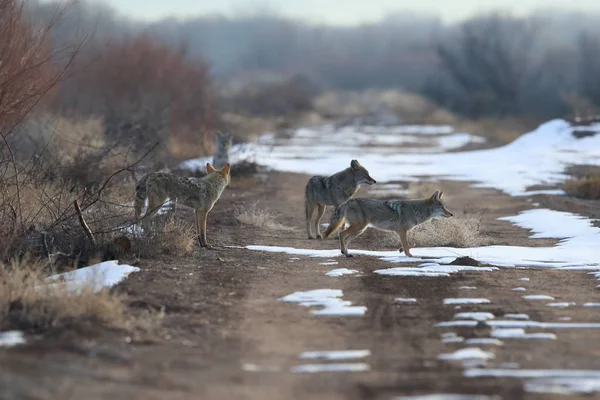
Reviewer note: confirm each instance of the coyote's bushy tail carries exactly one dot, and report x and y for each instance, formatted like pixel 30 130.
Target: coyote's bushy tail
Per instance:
pixel 141 194
pixel 338 219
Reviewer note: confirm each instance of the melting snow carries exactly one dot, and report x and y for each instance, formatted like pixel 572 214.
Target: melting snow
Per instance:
pixel 468 353
pixel 564 386
pixel 11 338
pixel 466 301
pixel 538 297
pixel 468 287
pixel 484 341
pixel 518 333
pixel 95 277
pixel 341 271
pixel 336 354
pixel 343 367
pixel 516 316
pixel 326 298
pixel 442 396
pixel 518 289
pixel 405 300
pixel 591 304
pixel 477 316
pixel 561 305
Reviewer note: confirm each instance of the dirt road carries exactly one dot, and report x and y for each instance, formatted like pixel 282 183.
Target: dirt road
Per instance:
pixel 225 335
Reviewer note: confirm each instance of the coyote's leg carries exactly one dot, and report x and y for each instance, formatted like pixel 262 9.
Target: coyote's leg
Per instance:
pixel 201 228
pixel 310 211
pixel 320 212
pixel 404 240
pixel 348 235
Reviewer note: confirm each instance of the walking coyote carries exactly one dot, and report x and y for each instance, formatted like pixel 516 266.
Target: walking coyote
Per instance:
pixel 392 215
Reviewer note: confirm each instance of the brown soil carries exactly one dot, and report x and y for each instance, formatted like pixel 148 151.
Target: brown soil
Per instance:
pixel 222 318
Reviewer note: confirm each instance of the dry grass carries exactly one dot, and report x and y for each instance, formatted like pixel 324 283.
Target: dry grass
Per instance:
pixel 254 216
pixel 28 302
pixel 451 232
pixel 166 235
pixel 586 187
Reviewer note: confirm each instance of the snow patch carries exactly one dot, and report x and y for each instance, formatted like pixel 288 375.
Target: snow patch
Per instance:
pixel 405 300
pixel 477 316
pixel 329 299
pixel 341 272
pixel 336 354
pixel 95 277
pixel 466 301
pixel 342 367
pixel 538 297
pixel 11 338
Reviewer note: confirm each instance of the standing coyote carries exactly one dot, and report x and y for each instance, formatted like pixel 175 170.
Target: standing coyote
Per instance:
pixel 392 215
pixel 332 191
pixel 221 156
pixel 199 193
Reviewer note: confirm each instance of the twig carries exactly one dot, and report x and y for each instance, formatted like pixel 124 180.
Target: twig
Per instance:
pixel 84 224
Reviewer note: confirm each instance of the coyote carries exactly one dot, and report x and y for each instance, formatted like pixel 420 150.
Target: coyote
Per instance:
pixel 392 215
pixel 332 191
pixel 199 193
pixel 221 156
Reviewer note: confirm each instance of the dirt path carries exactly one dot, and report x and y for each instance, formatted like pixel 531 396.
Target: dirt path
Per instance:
pixel 225 335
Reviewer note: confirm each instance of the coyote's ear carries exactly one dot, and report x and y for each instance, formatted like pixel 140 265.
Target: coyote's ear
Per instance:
pixel 435 197
pixel 225 169
pixel 354 164
pixel 441 194
pixel 209 168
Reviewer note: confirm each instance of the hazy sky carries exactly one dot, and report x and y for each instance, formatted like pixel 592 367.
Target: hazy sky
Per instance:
pixel 338 11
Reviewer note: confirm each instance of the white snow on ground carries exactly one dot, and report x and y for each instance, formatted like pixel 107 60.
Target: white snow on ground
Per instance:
pixel 538 297
pixel 341 272
pixel 329 299
pixel 518 333
pixel 342 367
pixel 564 386
pixel 516 316
pixel 466 301
pixel 431 270
pixel 405 300
pixel 451 337
pixel 95 277
pixel 468 287
pixel 443 396
pixel 536 158
pixel 336 354
pixel 521 324
pixel 477 316
pixel 556 381
pixel 561 304
pixel 468 353
pixel 518 289
pixel 484 341
pixel 11 338
pixel 591 304
pixel 524 279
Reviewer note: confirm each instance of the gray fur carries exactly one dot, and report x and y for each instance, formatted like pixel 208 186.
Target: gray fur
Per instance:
pixel 332 190
pixel 392 215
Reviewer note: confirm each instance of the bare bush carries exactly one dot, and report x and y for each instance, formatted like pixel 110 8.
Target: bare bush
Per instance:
pixel 146 92
pixel 489 63
pixel 586 187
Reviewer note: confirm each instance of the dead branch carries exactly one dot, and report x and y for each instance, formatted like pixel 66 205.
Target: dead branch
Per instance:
pixel 84 225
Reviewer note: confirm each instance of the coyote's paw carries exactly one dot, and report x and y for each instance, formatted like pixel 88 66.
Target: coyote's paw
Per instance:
pixel 319 236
